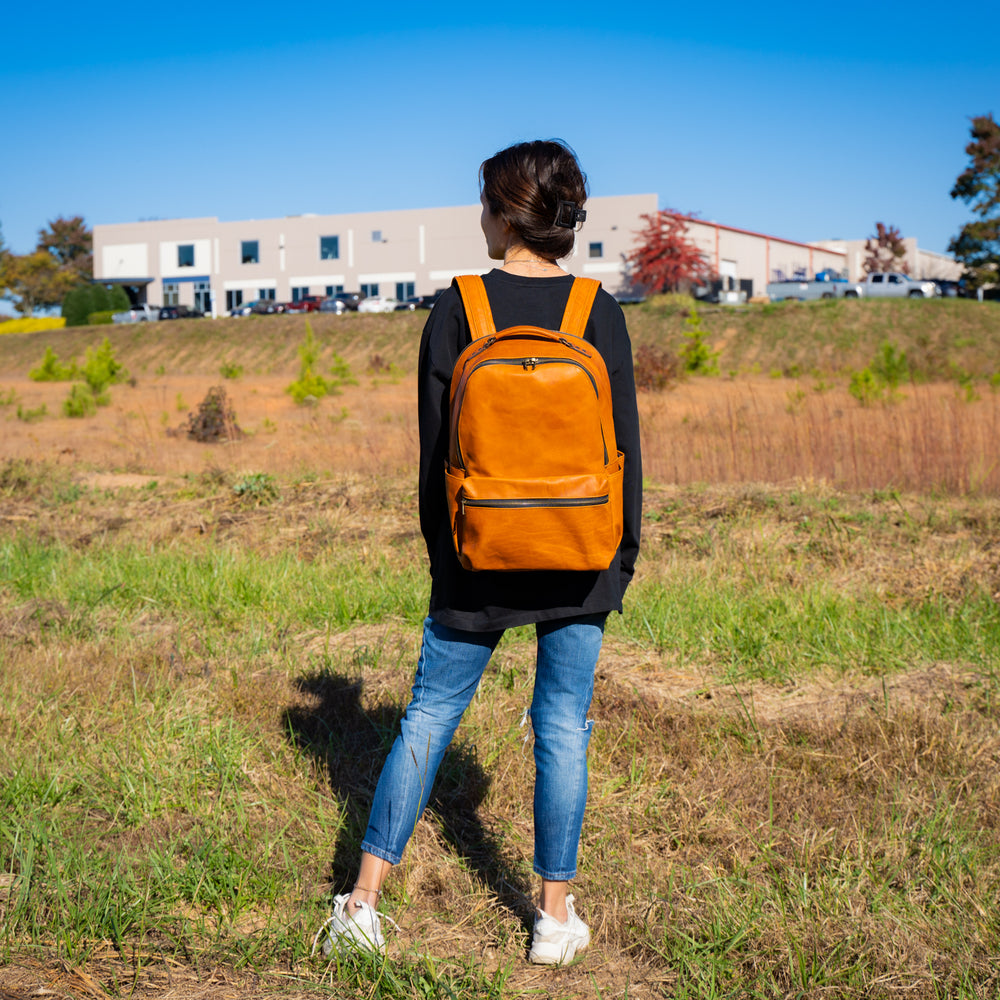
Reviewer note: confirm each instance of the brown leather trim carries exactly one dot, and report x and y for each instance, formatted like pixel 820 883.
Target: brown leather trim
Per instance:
pixel 581 298
pixel 477 305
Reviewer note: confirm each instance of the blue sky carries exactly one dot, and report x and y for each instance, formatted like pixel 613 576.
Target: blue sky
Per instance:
pixel 805 121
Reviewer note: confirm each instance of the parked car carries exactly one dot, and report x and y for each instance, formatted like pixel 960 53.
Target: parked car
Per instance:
pixel 418 302
pixel 950 289
pixel 378 304
pixel 825 285
pixel 137 314
pixel 180 312
pixel 333 305
pixel 308 303
pixel 350 299
pixel 258 307
pixel 889 284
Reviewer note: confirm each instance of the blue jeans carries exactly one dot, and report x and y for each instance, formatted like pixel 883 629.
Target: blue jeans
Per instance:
pixel 451 663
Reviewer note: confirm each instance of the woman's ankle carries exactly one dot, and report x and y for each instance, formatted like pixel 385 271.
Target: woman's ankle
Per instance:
pixel 359 895
pixel 552 901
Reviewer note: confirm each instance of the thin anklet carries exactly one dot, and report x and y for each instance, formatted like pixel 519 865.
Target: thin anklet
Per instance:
pixel 378 892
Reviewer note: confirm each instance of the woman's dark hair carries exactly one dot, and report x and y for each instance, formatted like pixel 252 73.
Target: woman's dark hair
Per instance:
pixel 524 184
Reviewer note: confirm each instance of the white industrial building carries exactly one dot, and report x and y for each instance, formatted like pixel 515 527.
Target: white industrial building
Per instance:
pixel 215 266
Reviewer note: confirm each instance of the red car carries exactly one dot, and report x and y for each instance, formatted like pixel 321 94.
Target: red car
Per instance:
pixel 308 303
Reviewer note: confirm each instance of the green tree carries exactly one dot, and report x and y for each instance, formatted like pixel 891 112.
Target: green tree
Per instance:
pixel 62 260
pixel 71 243
pixel 32 281
pixel 977 246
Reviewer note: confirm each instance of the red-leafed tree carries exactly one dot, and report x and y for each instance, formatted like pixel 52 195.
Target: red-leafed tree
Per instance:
pixel 886 251
pixel 665 259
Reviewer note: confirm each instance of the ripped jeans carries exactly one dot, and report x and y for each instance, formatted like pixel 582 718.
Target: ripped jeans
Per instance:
pixel 448 671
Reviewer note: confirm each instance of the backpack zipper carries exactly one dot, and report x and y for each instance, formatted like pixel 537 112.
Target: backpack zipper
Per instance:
pixel 513 504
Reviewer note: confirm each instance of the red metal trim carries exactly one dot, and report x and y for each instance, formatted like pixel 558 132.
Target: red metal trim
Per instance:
pixel 751 232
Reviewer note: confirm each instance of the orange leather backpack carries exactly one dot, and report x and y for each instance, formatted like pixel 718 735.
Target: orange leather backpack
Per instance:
pixel 534 475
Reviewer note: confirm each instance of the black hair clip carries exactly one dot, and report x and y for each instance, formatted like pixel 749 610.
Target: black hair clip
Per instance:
pixel 568 215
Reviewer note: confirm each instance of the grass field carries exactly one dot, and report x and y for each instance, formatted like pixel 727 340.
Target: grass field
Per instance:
pixel 205 648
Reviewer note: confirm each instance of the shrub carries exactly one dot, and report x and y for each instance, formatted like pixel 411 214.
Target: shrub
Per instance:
pixel 30 416
pixel 118 300
pixel 100 318
pixel 697 357
pixel 100 298
pixel 80 304
pixel 341 372
pixel 310 386
pixel 308 389
pixel 32 324
pixel 890 365
pixel 257 488
pixel 229 369
pixel 656 367
pixel 214 421
pixel 51 369
pixel 100 369
pixel 865 387
pixel 77 305
pixel 80 402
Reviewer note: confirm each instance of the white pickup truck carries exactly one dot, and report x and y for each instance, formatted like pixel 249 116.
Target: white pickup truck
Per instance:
pixel 825 285
pixel 137 314
pixel 893 285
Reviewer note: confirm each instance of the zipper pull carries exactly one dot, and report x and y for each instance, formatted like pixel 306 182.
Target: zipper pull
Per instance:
pixel 488 342
pixel 574 347
pixel 529 364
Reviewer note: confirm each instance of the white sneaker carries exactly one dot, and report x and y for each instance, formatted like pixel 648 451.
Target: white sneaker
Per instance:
pixel 554 943
pixel 344 932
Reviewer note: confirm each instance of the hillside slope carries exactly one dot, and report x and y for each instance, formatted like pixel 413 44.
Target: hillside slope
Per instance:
pixel 940 338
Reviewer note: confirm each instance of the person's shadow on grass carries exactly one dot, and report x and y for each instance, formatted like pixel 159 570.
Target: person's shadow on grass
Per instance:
pixel 351 744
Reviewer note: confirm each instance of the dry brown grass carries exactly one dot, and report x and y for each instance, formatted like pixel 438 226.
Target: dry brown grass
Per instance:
pixel 748 430
pixel 783 430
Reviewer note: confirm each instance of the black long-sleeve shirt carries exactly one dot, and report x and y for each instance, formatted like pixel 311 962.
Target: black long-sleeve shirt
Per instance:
pixel 487 600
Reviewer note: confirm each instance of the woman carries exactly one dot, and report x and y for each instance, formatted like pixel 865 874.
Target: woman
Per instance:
pixel 532 195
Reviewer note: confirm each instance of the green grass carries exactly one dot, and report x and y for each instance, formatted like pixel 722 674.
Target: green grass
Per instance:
pixel 193 722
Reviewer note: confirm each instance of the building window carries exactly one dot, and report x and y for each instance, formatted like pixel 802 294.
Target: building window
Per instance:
pixel 370 290
pixel 185 255
pixel 203 296
pixel 298 294
pixel 332 290
pixel 250 252
pixel 405 290
pixel 171 293
pixel 329 247
pixel 234 299
pixel 376 236
pixel 596 250
pixel 266 293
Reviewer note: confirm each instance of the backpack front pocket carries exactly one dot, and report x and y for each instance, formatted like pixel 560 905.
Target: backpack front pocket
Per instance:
pixel 562 522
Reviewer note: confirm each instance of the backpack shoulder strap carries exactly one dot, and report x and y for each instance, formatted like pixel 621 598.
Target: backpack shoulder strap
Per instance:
pixel 477 305
pixel 581 299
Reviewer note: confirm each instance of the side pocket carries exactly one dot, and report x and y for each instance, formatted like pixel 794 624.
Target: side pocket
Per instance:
pixel 453 489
